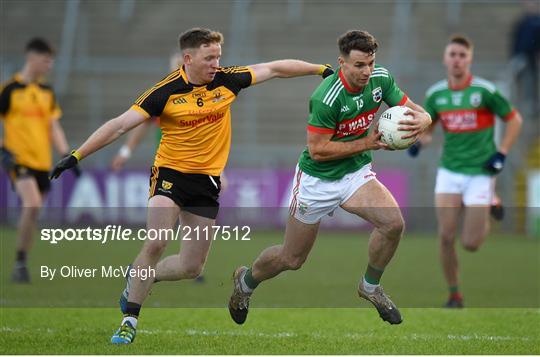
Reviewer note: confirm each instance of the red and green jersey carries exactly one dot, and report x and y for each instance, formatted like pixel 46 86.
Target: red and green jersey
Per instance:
pixel 467 116
pixel 334 108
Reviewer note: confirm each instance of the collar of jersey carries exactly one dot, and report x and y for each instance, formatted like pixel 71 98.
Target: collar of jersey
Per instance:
pixel 467 84
pixel 346 85
pixel 185 78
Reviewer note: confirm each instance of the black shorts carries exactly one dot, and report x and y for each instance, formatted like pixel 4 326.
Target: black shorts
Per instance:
pixel 194 193
pixel 42 177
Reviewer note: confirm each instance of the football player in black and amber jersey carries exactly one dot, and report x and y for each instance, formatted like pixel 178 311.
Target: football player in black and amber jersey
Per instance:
pixel 31 124
pixel 136 135
pixel 193 104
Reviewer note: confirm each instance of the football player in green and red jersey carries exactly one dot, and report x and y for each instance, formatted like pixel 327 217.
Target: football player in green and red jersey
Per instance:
pixel 335 170
pixel 466 106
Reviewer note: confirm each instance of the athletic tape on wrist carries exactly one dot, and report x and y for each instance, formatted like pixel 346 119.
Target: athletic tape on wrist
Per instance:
pixel 77 155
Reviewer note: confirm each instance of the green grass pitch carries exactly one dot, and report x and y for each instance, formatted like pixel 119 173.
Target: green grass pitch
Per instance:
pixel 311 311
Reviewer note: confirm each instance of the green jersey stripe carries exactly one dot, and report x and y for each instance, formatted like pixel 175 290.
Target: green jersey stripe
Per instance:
pixel 334 97
pixel 484 84
pixel 329 93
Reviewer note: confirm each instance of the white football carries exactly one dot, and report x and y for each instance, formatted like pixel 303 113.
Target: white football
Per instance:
pixel 388 126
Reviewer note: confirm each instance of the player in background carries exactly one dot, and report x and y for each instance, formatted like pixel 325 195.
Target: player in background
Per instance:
pixel 31 125
pixel 193 104
pixel 466 107
pixel 335 170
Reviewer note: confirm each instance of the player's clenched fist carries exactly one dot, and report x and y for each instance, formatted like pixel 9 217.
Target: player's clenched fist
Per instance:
pixel 68 162
pixel 495 164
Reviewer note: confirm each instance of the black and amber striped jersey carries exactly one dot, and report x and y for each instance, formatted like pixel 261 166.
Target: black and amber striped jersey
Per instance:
pixel 28 110
pixel 195 120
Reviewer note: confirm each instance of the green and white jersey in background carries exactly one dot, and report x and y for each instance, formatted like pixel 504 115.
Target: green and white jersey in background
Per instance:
pixel 335 109
pixel 467 116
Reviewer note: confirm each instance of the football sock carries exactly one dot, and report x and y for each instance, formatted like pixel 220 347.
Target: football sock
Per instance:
pixel 247 282
pixel 454 293
pixel 131 319
pixel 368 287
pixel 21 258
pixel 133 309
pixel 373 275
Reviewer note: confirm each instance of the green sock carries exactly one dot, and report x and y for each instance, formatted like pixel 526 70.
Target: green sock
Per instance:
pixel 453 289
pixel 373 275
pixel 248 279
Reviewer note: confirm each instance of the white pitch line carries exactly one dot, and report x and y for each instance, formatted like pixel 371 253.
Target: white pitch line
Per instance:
pixel 286 334
pixel 193 332
pixel 426 337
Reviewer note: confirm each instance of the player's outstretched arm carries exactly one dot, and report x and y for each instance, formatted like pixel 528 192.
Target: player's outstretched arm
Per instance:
pixel 289 68
pixel 103 136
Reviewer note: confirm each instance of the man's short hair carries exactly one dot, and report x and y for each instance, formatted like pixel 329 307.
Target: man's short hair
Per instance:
pixel 39 45
pixel 357 40
pixel 461 40
pixel 195 37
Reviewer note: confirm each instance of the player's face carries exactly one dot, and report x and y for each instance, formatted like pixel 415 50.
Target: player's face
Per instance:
pixel 357 68
pixel 204 62
pixel 457 59
pixel 40 63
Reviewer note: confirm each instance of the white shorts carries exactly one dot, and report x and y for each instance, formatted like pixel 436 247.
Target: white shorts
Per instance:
pixel 475 189
pixel 312 198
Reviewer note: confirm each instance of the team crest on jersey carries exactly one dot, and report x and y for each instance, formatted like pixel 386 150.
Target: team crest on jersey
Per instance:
pixel 217 96
pixel 377 94
pixel 476 99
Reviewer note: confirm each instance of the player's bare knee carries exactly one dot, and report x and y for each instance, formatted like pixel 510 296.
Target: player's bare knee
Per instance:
pixel 192 271
pixel 447 238
pixel 447 243
pixel 155 248
pixel 394 229
pixel 471 246
pixel 32 211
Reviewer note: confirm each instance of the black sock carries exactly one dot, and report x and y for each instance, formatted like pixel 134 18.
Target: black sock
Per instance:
pixel 21 257
pixel 133 309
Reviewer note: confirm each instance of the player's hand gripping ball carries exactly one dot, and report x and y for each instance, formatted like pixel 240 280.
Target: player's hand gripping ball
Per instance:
pixel 389 124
